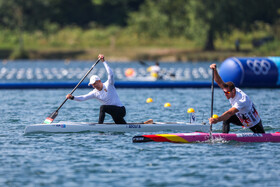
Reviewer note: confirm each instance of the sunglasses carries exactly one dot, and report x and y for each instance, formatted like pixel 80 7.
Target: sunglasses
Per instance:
pixel 226 92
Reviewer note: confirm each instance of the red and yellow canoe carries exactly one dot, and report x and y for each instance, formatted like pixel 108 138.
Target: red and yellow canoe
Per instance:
pixel 205 137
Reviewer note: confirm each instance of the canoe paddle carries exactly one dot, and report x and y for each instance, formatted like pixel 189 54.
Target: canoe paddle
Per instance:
pixel 51 117
pixel 143 63
pixel 212 101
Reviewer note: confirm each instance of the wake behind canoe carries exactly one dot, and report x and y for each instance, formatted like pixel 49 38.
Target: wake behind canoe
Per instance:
pixel 109 127
pixel 205 137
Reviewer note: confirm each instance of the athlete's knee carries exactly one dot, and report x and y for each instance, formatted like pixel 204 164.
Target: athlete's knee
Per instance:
pixel 259 128
pixel 102 108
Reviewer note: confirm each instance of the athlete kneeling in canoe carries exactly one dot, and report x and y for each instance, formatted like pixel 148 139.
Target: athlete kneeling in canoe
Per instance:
pixel 242 112
pixel 106 93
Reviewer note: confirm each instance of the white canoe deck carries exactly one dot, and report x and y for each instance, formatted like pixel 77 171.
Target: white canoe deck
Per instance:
pixel 67 127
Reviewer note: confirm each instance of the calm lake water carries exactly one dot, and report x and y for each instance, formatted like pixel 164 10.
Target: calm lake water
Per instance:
pixel 111 159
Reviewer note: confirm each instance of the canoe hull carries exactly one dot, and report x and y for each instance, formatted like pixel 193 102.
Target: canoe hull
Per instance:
pixel 131 127
pixel 205 137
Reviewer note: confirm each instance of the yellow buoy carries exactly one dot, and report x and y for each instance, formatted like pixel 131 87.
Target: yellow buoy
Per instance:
pixel 215 116
pixel 191 110
pixel 167 105
pixel 154 74
pixel 149 100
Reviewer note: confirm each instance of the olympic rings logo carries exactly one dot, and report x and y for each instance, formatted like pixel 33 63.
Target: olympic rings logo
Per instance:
pixel 259 67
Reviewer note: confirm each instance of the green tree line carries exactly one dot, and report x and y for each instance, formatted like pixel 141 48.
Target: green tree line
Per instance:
pixel 198 20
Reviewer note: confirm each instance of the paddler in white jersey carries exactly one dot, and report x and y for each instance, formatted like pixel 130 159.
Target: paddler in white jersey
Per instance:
pixel 107 95
pixel 155 71
pixel 242 112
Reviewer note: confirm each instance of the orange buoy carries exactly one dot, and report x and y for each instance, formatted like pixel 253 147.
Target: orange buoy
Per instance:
pixel 129 72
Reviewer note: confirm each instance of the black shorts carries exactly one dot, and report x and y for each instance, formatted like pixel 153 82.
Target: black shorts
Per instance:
pixel 116 112
pixel 235 120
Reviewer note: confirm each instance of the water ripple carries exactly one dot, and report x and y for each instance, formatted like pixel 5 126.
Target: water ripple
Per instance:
pixel 111 159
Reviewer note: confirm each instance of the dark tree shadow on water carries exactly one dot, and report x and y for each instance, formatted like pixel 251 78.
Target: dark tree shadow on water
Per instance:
pixel 69 54
pixel 5 53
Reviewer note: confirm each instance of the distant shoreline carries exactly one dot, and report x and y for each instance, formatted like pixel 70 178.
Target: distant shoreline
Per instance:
pixel 133 54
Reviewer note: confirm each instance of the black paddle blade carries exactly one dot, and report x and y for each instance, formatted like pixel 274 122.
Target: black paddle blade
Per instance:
pixel 51 117
pixel 143 63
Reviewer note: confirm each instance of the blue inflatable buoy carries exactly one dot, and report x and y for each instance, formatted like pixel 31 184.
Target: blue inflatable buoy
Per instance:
pixel 250 72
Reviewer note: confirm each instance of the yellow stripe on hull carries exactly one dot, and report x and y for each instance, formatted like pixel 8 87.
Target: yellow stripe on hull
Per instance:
pixel 173 138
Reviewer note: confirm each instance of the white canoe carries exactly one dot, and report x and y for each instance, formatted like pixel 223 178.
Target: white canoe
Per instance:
pixel 130 127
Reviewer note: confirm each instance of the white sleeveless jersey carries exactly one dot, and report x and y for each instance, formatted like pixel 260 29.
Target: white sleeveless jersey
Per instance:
pixel 155 69
pixel 108 95
pixel 247 113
